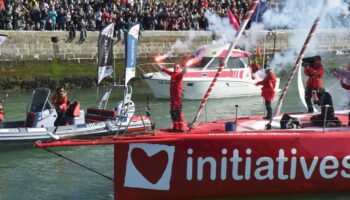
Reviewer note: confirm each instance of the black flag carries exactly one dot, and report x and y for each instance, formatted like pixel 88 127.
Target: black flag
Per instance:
pixel 105 52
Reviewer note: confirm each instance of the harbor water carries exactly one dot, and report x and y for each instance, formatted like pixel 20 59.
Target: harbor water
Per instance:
pixel 33 173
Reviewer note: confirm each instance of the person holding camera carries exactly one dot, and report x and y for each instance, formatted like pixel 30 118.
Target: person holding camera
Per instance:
pixel 314 70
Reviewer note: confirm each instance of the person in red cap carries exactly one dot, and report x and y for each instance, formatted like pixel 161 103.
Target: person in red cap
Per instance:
pixel 59 100
pixel 268 90
pixel 176 113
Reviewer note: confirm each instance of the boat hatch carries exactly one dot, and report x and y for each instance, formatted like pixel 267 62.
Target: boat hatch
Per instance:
pixel 32 130
pixel 9 130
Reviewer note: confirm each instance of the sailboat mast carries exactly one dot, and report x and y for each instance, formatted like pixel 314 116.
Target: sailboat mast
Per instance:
pixel 298 61
pixel 247 16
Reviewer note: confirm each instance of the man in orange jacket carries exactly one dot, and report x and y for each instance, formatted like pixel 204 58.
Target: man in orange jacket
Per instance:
pixel 176 113
pixel 59 100
pixel 268 90
pixel 314 70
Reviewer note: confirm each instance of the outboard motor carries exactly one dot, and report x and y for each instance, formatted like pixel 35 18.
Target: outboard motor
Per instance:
pixel 125 109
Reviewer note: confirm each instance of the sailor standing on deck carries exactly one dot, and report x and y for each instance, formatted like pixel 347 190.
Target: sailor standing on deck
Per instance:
pixel 268 90
pixel 314 70
pixel 176 113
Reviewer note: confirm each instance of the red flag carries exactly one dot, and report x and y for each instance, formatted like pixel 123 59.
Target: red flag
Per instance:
pixel 123 2
pixel 233 20
pixel 2 4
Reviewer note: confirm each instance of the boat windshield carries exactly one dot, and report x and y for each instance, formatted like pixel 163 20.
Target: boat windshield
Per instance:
pixel 202 63
pixel 232 63
pixel 40 100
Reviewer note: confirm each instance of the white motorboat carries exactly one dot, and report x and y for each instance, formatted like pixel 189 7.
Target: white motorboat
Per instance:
pixel 235 80
pixel 39 123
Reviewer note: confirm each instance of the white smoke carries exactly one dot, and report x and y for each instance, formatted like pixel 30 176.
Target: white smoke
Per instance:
pixel 180 45
pixel 300 15
pixel 221 28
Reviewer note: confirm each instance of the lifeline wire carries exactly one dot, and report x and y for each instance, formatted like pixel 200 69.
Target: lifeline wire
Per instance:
pixel 81 165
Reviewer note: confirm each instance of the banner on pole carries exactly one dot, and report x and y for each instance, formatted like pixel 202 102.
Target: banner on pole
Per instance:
pixel 131 52
pixel 105 52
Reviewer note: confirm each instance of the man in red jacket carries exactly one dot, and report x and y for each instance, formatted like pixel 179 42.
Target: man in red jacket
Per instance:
pixel 314 70
pixel 176 113
pixel 268 90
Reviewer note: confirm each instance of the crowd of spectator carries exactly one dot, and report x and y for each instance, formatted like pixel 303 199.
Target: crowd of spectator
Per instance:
pixel 92 15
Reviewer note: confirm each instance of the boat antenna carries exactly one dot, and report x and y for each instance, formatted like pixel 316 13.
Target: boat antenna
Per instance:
pixel 236 116
pixel 312 31
pixel 114 81
pixel 246 19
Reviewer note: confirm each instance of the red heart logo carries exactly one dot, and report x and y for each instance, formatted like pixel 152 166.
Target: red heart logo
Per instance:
pixel 151 167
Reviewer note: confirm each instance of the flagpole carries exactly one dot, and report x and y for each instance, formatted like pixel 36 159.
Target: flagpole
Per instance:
pixel 238 34
pixel 98 63
pixel 114 83
pixel 297 63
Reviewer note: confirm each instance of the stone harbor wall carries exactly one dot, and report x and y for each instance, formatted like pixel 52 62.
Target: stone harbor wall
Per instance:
pixel 54 45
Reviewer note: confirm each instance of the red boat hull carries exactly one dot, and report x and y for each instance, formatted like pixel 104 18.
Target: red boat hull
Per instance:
pixel 214 166
pixel 209 162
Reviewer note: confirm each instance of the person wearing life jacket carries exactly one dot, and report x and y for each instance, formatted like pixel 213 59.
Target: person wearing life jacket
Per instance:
pixel 59 100
pixel 268 90
pixel 176 113
pixel 254 67
pixel 314 70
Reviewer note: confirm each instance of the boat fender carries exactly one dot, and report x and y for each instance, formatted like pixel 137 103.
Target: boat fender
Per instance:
pixel 73 110
pixel 288 122
pixel 2 114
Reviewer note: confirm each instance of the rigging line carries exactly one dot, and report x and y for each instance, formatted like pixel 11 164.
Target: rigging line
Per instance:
pixel 81 165
pixel 334 84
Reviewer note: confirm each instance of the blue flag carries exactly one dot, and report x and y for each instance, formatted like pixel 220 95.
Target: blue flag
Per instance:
pixel 131 52
pixel 259 11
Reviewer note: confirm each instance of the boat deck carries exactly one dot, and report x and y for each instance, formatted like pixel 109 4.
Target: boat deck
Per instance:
pixel 248 126
pixel 258 124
